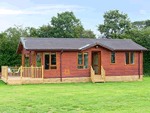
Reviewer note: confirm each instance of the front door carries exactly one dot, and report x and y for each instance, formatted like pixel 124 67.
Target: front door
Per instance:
pixel 96 62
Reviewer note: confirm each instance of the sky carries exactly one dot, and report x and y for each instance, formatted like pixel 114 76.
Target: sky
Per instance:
pixel 35 13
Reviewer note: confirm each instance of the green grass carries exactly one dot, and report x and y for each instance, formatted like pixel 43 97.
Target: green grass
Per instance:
pixel 111 97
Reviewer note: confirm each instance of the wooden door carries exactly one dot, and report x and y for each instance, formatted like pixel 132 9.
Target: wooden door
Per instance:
pixel 96 62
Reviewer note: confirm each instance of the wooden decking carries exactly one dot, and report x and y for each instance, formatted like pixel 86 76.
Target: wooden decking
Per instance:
pixel 24 80
pixel 29 80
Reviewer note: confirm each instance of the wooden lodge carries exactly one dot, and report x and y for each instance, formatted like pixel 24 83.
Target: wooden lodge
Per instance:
pixel 68 60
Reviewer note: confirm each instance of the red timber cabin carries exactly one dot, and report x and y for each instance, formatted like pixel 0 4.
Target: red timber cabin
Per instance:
pixel 83 59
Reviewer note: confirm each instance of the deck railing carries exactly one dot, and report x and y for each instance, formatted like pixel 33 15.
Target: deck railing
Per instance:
pixel 92 75
pixel 32 72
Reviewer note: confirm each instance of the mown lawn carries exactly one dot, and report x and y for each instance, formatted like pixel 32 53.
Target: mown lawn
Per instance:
pixel 111 97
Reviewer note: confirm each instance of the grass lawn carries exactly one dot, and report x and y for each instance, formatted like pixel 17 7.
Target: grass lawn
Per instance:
pixel 111 97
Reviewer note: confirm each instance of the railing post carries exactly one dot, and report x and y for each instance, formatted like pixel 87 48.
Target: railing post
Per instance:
pixel 21 72
pixel 32 69
pixel 2 71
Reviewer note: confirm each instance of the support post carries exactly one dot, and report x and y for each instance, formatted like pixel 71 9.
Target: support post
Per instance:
pixel 23 60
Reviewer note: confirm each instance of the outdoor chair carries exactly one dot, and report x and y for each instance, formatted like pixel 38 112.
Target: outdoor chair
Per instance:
pixel 10 73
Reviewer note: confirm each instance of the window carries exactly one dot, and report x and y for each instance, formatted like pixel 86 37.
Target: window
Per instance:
pixel 113 60
pixel 82 60
pixel 85 60
pixel 46 60
pixel 38 59
pixel 53 61
pixel 129 57
pixel 26 60
pixel 50 61
pixel 132 58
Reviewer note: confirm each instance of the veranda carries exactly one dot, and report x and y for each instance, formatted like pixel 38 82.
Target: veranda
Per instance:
pixel 22 75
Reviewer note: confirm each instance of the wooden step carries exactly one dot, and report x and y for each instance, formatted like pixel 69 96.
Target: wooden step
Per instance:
pixel 98 78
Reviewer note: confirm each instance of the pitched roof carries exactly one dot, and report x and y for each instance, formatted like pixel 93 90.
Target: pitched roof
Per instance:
pixel 30 43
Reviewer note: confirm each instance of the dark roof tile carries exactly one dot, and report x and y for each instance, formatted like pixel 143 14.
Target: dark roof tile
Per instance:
pixel 30 43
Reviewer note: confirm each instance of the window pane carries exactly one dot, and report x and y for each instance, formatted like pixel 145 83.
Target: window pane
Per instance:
pixel 53 58
pixel 132 58
pixel 85 60
pixel 26 60
pixel 96 69
pixel 112 57
pixel 46 60
pixel 80 57
pixel 80 67
pixel 95 59
pixel 38 59
pixel 127 58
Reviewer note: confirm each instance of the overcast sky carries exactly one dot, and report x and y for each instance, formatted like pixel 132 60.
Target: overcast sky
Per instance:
pixel 35 13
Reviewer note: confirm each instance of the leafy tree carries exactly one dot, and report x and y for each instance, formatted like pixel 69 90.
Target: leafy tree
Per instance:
pixel 115 24
pixel 31 32
pixel 66 24
pixel 138 24
pixel 147 22
pixel 88 34
pixel 46 31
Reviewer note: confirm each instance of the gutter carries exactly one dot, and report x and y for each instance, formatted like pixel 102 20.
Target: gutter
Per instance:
pixel 61 65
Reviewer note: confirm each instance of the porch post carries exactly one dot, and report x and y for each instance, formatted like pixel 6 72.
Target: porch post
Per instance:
pixel 23 60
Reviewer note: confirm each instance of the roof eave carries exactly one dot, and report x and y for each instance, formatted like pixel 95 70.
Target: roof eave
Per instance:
pixel 131 50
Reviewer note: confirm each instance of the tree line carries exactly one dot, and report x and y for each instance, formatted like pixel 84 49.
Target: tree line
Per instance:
pixel 117 25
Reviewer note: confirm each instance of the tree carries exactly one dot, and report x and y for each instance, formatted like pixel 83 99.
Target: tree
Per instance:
pixel 88 34
pixel 31 32
pixel 46 31
pixel 138 24
pixel 115 24
pixel 147 22
pixel 65 24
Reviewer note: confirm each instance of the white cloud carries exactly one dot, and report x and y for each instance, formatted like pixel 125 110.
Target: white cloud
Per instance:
pixel 57 7
pixel 43 10
pixel 142 11
pixel 10 12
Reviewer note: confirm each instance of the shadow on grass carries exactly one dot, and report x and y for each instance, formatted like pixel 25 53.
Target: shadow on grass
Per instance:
pixel 2 83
